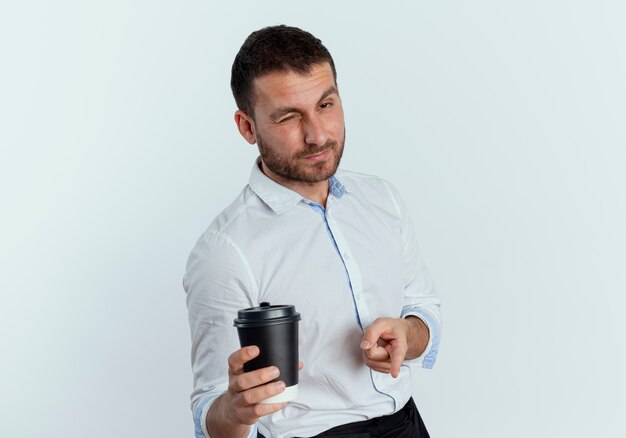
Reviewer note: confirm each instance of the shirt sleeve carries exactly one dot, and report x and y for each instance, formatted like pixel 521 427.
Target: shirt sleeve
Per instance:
pixel 218 282
pixel 420 296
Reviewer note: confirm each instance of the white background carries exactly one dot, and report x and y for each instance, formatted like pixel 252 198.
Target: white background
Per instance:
pixel 501 123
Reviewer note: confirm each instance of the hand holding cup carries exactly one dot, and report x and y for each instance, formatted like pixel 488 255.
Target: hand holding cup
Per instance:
pixel 247 389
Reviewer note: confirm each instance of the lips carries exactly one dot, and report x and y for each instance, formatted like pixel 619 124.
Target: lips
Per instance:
pixel 318 155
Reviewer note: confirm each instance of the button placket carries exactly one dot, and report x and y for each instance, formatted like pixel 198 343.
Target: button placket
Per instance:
pixel 353 271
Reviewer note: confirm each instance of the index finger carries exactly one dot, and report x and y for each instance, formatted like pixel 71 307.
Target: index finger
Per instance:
pixel 397 354
pixel 240 357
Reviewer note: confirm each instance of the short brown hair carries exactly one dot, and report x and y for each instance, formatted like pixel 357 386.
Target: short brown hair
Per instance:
pixel 274 48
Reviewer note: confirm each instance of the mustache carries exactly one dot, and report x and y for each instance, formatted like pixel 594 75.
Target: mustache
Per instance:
pixel 314 149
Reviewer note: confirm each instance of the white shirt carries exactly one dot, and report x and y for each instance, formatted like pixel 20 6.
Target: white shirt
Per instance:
pixel 342 267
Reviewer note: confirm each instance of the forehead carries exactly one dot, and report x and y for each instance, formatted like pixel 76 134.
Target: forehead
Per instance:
pixel 291 88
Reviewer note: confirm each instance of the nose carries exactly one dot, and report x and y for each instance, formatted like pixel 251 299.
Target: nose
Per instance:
pixel 315 131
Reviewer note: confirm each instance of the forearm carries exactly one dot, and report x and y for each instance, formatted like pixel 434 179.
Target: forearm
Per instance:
pixel 219 426
pixel 418 336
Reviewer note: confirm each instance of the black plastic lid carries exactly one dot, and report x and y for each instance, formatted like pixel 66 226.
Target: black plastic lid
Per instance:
pixel 266 314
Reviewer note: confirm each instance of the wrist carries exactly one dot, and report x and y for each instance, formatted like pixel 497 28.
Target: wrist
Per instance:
pixel 221 421
pixel 418 335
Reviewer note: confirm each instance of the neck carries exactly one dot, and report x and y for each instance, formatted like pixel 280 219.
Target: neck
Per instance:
pixel 316 192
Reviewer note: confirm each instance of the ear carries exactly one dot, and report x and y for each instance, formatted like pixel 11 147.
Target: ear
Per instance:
pixel 246 127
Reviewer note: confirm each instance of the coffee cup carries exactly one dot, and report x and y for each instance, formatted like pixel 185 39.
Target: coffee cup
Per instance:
pixel 274 329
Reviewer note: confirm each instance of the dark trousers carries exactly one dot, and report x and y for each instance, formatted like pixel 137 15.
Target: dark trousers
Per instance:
pixel 406 423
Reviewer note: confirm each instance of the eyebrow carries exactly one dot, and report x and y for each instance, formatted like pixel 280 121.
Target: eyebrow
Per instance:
pixel 286 110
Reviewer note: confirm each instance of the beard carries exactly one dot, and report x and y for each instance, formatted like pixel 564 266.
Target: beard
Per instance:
pixel 295 168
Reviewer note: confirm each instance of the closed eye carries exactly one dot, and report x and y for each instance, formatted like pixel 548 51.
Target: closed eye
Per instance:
pixel 286 119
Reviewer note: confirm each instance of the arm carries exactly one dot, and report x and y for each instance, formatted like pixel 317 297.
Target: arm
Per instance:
pixel 415 336
pixel 218 282
pixel 420 296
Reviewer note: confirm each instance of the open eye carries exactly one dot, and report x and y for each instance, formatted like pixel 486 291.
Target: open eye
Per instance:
pixel 326 105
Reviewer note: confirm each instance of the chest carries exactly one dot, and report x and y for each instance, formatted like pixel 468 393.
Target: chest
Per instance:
pixel 340 270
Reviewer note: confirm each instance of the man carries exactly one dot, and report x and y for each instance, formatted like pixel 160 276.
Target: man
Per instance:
pixel 338 245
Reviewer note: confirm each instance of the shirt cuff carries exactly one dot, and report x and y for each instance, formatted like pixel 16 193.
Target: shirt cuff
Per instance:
pixel 199 417
pixel 429 356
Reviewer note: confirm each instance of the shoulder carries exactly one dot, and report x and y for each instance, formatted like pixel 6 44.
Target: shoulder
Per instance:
pixel 217 252
pixel 236 217
pixel 231 224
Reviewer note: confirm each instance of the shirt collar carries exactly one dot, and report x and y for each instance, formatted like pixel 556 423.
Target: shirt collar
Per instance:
pixel 336 188
pixel 279 198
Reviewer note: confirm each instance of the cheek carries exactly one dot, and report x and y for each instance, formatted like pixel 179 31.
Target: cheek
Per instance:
pixel 337 129
pixel 337 124
pixel 285 138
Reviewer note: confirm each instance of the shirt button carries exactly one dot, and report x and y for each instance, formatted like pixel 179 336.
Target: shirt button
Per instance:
pixel 346 256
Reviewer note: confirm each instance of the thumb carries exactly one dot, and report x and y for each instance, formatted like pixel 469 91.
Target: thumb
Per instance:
pixel 371 335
